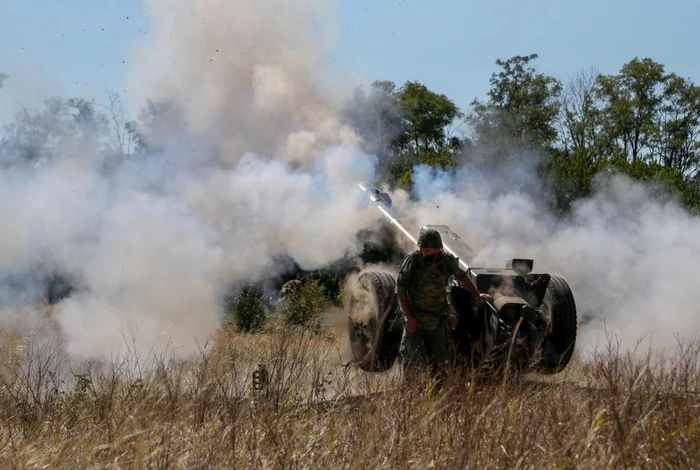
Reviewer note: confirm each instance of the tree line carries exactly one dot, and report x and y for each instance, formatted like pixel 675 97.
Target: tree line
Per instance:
pixel 642 121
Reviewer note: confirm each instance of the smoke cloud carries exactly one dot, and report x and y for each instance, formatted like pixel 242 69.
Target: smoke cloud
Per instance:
pixel 247 75
pixel 247 163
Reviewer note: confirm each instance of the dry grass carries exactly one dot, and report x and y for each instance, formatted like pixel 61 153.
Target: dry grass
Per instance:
pixel 613 412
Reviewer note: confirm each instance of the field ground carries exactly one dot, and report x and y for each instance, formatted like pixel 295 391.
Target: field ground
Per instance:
pixel 614 411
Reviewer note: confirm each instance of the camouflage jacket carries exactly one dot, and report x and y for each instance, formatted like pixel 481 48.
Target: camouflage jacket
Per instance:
pixel 425 286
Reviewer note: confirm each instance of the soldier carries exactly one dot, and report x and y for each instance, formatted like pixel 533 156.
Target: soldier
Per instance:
pixel 422 291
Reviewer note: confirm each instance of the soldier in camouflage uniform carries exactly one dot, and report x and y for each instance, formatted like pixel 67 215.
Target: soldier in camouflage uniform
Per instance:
pixel 422 291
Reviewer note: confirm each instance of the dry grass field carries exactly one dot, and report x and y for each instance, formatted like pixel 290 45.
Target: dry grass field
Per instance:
pixel 615 411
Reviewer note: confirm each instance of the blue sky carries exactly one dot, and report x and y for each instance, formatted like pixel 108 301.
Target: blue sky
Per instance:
pixel 79 46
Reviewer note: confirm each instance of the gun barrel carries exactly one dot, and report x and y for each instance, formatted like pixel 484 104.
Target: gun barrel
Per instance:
pixel 452 242
pixel 383 203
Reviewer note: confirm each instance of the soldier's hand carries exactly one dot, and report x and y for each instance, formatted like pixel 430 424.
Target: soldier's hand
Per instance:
pixel 410 323
pixel 488 297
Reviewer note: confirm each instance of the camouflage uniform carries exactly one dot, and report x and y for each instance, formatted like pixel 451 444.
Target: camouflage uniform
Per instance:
pixel 425 285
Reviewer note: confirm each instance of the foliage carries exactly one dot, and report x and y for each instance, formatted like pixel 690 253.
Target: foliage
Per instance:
pixel 427 115
pixel 642 121
pixel 522 108
pixel 568 175
pixel 305 304
pixel 247 310
pixel 405 127
pixel 642 115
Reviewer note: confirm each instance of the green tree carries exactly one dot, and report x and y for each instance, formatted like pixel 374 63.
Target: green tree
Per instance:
pixel 567 175
pixel 632 103
pixel 305 305
pixel 247 309
pixel 650 125
pixel 427 116
pixel 675 142
pixel 581 123
pixel 405 127
pixel 569 168
pixel 641 121
pixel 429 137
pixel 522 109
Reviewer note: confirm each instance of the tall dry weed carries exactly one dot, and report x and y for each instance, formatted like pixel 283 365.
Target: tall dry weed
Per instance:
pixel 313 411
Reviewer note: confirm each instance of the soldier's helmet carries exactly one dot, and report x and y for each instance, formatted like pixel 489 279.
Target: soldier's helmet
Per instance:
pixel 429 238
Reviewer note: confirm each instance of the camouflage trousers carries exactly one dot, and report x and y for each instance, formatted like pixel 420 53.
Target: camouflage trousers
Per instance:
pixel 426 349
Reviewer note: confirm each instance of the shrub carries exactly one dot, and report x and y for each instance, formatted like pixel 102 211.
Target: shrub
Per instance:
pixel 247 310
pixel 304 305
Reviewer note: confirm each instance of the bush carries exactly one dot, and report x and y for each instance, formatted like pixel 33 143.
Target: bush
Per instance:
pixel 247 310
pixel 304 303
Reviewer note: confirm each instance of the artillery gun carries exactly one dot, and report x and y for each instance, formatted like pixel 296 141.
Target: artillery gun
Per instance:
pixel 530 324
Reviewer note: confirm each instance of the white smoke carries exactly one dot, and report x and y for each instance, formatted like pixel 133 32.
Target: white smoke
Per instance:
pixel 248 75
pixel 253 164
pixel 630 257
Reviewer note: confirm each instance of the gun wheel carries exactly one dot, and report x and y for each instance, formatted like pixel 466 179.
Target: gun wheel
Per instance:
pixel 372 307
pixel 560 308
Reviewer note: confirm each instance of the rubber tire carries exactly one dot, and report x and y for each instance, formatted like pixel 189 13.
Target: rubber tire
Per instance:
pixel 375 335
pixel 558 346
